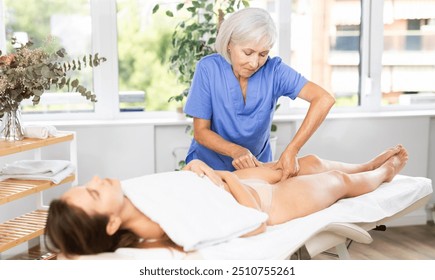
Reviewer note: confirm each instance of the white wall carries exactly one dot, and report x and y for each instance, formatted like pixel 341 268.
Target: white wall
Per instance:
pixel 172 141
pixel 114 150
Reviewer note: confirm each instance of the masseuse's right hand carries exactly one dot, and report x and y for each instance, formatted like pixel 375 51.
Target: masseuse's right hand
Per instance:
pixel 243 158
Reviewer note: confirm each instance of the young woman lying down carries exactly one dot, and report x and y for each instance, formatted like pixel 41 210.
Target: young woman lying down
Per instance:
pixel 98 217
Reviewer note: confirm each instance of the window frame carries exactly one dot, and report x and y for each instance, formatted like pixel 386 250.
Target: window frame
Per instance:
pixel 104 41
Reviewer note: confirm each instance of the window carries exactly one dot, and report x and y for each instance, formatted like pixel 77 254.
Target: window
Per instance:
pixel 372 55
pixel 408 62
pixel 325 46
pixel 53 24
pixel 144 42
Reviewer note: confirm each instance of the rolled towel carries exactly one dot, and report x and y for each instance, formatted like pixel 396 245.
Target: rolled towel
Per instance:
pixel 39 131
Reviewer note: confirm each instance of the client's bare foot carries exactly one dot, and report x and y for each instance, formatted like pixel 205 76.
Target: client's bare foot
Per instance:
pixel 395 164
pixel 383 157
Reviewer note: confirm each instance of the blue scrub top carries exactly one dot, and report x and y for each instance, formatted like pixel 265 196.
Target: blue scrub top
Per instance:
pixel 215 95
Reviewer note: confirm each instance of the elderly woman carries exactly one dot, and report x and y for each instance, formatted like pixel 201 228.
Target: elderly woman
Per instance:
pixel 99 217
pixel 233 96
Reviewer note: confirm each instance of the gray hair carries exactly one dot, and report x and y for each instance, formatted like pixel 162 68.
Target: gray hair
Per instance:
pixel 246 25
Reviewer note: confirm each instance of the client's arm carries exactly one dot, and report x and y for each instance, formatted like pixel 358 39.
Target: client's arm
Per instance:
pixel 202 169
pixel 264 172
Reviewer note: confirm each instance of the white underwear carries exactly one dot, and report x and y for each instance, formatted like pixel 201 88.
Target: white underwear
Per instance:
pixel 264 191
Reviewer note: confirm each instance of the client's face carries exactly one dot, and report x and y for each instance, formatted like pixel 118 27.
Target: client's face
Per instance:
pixel 98 196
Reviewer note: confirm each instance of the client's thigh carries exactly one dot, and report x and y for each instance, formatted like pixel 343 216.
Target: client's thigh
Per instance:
pixel 303 195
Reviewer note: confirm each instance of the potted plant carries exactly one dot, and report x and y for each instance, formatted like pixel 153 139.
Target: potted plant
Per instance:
pixel 28 72
pixel 194 36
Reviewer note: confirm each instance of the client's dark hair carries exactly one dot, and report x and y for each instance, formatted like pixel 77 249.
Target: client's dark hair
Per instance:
pixel 71 231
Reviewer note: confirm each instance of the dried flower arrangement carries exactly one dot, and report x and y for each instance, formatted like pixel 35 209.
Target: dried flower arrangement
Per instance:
pixel 28 72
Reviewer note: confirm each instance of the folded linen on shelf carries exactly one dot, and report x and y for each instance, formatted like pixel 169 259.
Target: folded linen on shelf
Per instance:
pixel 39 131
pixel 51 170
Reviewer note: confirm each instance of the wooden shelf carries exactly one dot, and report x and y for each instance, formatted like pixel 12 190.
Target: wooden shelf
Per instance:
pixel 13 189
pixel 30 226
pixel 22 229
pixel 27 144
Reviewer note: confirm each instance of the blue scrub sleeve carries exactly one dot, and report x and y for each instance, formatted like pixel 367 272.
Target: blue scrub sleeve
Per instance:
pixel 198 103
pixel 288 81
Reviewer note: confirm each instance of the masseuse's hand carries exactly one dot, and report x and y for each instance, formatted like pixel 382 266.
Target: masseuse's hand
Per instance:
pixel 243 158
pixel 202 169
pixel 288 163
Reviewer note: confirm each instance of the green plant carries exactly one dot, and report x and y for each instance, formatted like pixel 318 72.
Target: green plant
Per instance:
pixel 194 36
pixel 27 73
pixel 181 165
pixel 274 127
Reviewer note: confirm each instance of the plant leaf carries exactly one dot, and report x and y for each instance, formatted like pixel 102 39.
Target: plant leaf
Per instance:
pixel 37 92
pixel 156 8
pixel 75 83
pixel 62 52
pixel 180 6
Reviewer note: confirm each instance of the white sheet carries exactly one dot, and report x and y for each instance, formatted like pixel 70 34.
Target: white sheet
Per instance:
pixel 192 211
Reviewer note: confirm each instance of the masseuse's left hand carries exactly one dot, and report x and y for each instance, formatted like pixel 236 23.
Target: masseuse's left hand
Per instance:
pixel 288 163
pixel 243 158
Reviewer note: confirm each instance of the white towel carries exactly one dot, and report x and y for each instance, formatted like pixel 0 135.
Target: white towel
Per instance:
pixel 192 211
pixel 51 170
pixel 39 131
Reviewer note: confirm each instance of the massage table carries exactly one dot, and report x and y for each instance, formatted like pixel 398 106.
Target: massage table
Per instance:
pixel 338 234
pixel 347 219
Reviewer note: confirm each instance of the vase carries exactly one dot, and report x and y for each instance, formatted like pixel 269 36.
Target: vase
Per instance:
pixel 11 128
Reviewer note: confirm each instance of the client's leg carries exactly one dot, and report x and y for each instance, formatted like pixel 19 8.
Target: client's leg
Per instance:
pixel 302 195
pixel 312 164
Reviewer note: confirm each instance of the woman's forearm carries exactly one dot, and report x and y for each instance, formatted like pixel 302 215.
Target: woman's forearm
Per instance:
pixel 213 141
pixel 317 112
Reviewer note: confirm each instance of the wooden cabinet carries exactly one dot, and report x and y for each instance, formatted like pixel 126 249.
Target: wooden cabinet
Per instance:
pixel 31 225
